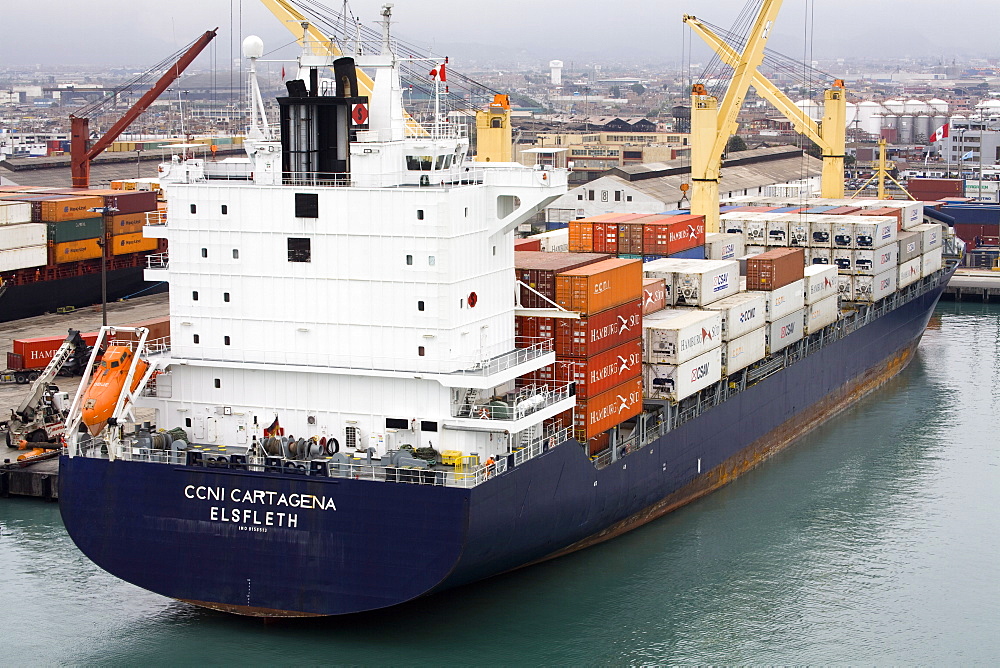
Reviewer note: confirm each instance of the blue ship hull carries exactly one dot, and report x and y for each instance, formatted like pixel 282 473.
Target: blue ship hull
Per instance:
pixel 194 534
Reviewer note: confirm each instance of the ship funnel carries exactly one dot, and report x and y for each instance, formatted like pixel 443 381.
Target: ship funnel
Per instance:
pixel 347 77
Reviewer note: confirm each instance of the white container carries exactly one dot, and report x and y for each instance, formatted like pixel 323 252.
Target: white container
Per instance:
pixel 723 246
pixel 755 232
pixel 673 336
pixel 755 249
pixel 798 230
pixel 706 281
pixel 845 287
pixel 876 261
pixel 820 282
pixel 821 231
pixel 784 300
pixel 874 231
pixel 678 381
pixel 874 288
pixel 733 223
pixel 931 262
pixel 842 232
pixel 14 213
pixel 912 214
pixel 819 256
pixel 822 313
pixel 554 241
pixel 22 234
pixel 743 351
pixel 843 259
pixel 741 313
pixel 785 331
pixel 909 272
pixel 909 245
pixel 777 232
pixel 23 258
pixel 930 236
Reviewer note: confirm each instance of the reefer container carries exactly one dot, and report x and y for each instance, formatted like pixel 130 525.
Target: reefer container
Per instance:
pixel 845 287
pixel 785 331
pixel 843 259
pixel 654 295
pixel 675 336
pixel 23 258
pixel 599 286
pixel 743 351
pixel 931 262
pixel 784 300
pixel 775 268
pixel 596 333
pixel 798 230
pixel 75 230
pixel 740 313
pixel 702 282
pixel 721 246
pixel 842 232
pixel 678 381
pixel 21 235
pixel 874 261
pixel 71 251
pixel 819 256
pixel 881 231
pixel 822 313
pixel 597 374
pixel 820 282
pixel 821 231
pixel 755 231
pixel 604 411
pixel 777 231
pixel 909 245
pixel 13 213
pixel 538 270
pixel 132 243
pixel 70 208
pixel 911 213
pixel 733 223
pixel 909 272
pixel 930 236
pixel 873 288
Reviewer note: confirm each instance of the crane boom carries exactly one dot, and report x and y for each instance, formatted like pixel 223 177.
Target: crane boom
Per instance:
pixel 81 154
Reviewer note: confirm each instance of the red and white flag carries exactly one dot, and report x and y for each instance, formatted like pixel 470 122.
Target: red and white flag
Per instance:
pixel 940 133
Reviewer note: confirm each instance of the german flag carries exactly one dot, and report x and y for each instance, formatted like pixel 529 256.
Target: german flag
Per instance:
pixel 273 430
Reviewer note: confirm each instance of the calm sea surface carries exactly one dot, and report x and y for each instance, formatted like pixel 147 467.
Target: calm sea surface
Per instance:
pixel 875 540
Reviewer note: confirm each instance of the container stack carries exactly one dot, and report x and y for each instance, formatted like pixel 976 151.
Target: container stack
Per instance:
pixel 638 236
pixel 22 242
pixel 777 275
pixel 602 350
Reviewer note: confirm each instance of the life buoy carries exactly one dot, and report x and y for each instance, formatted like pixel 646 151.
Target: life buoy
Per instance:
pixel 484 414
pixel 472 300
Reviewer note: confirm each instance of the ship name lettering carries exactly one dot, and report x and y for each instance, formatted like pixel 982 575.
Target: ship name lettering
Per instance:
pixel 249 516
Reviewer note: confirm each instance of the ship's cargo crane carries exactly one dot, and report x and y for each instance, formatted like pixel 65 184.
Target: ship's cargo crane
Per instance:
pixel 712 122
pixel 80 149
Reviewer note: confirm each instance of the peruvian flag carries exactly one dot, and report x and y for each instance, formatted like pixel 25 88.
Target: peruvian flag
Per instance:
pixel 940 133
pixel 439 72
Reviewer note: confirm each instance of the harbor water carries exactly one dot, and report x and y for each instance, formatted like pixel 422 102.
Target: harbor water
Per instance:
pixel 871 541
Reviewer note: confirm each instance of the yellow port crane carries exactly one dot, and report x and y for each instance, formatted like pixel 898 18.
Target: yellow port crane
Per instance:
pixel 712 122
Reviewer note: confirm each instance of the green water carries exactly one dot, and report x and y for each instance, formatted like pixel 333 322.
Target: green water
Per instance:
pixel 872 541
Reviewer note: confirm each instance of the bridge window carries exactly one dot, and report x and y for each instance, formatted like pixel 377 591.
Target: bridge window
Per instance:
pixel 306 205
pixel 419 163
pixel 225 209
pixel 299 249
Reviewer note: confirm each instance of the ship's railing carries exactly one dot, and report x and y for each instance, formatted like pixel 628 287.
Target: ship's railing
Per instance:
pixel 533 349
pixel 439 130
pixel 466 476
pixel 156 218
pixel 516 405
pixel 158 260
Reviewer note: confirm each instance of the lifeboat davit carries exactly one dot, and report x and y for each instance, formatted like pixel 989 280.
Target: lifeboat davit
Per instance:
pixel 101 397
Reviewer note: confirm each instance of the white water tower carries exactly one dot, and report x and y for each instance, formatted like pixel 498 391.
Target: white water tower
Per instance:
pixel 555 69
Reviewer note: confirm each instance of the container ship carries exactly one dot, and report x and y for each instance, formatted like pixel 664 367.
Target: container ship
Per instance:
pixel 52 241
pixel 336 434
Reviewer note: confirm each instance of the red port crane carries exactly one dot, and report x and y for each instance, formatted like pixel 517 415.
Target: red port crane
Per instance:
pixel 80 150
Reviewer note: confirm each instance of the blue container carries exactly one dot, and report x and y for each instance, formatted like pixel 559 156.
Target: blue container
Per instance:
pixel 729 207
pixel 675 212
pixel 973 214
pixel 555 226
pixel 629 256
pixel 788 209
pixel 696 253
pixel 820 209
pixel 650 258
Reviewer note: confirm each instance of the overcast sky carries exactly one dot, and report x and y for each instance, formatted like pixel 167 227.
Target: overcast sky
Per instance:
pixel 141 33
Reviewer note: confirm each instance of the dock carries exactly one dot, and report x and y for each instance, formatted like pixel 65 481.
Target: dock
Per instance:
pixel 973 285
pixel 38 479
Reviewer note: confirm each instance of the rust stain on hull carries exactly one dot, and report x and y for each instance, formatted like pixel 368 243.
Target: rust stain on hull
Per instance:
pixel 757 452
pixel 249 611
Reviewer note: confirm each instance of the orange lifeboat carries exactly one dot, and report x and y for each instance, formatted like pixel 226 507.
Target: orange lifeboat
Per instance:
pixel 100 398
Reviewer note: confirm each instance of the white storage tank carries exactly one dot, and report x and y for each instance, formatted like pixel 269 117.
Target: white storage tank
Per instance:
pixel 679 381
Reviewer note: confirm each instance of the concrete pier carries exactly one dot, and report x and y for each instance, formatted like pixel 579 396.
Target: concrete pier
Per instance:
pixel 973 285
pixel 38 479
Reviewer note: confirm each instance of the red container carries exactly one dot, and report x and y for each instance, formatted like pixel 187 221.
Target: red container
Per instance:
pixel 606 230
pixel 527 244
pixel 126 201
pixel 596 333
pixel 843 210
pixel 928 189
pixel 596 374
pixel 538 270
pixel 654 295
pixel 976 235
pixel 37 353
pixel 775 268
pixel 752 209
pixel 530 329
pixel 599 286
pixel 600 413
pixel 673 235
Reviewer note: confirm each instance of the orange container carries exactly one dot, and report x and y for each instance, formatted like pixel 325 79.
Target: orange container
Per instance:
pixel 70 208
pixel 124 224
pixel 654 295
pixel 600 413
pixel 597 287
pixel 597 374
pixel 123 244
pixel 581 236
pixel 71 251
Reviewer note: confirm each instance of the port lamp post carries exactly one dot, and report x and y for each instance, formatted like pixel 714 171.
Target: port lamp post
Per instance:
pixel 102 242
